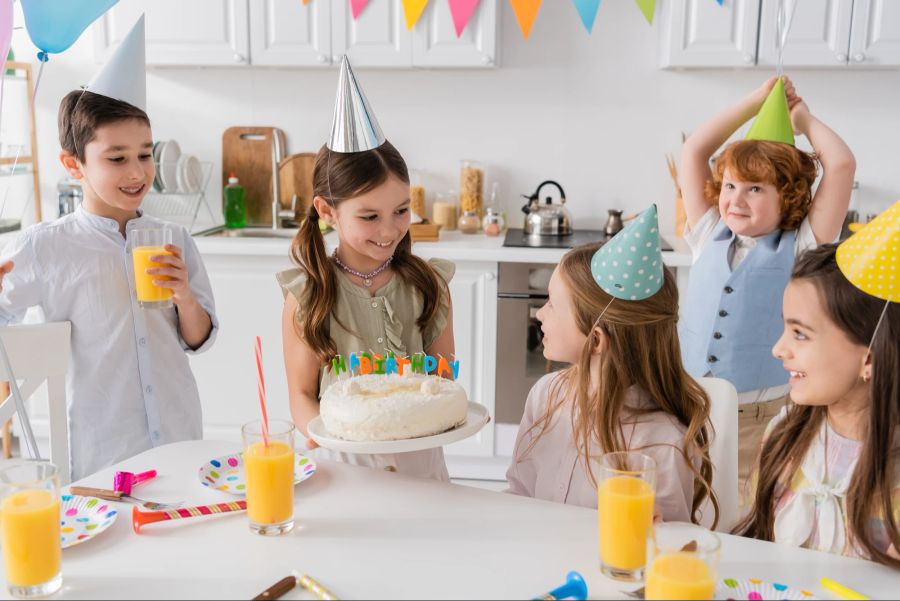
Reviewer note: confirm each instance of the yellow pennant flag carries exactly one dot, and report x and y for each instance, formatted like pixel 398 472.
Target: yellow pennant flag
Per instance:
pixel 413 10
pixel 526 11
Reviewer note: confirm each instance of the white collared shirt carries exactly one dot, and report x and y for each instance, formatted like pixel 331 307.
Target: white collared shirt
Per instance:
pixel 129 385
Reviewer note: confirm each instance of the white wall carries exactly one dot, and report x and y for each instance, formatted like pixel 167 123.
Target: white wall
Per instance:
pixel 590 111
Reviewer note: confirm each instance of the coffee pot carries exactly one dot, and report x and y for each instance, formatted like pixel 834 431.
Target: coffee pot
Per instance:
pixel 547 219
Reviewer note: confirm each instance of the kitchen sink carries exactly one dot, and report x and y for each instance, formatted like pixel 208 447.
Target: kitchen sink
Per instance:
pixel 252 232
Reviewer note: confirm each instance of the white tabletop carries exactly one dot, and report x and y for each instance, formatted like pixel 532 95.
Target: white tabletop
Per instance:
pixel 370 534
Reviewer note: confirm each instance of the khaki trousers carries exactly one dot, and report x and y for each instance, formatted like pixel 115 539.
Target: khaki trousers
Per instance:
pixel 752 421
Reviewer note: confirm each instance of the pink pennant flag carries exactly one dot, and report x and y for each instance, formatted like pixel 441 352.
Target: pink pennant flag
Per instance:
pixel 462 11
pixel 357 7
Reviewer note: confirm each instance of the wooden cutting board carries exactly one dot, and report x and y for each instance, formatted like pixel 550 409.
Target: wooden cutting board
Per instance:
pixel 252 154
pixel 295 172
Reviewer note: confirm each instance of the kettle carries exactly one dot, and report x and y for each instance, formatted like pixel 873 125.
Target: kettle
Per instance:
pixel 547 219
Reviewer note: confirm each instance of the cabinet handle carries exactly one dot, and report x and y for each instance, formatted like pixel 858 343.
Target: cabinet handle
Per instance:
pixel 487 61
pixel 239 58
pixel 335 59
pixel 841 57
pixel 859 58
pixel 748 58
pixel 322 58
pixel 489 276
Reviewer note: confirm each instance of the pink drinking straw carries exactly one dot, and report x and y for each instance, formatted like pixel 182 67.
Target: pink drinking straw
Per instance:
pixel 261 386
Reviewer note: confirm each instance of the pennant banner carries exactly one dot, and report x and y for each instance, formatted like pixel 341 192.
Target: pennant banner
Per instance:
pixel 526 11
pixel 587 9
pixel 648 7
pixel 462 11
pixel 413 10
pixel 357 7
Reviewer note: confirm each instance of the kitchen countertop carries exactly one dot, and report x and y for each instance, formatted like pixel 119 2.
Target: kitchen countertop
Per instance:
pixel 453 245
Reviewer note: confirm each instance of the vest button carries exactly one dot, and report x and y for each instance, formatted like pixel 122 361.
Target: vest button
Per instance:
pixel 717 335
pixel 712 358
pixel 723 313
pixel 728 289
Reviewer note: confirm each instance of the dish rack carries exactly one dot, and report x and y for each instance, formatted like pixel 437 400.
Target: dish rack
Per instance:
pixel 179 206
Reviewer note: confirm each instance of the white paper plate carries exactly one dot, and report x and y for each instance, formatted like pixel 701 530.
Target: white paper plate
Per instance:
pixel 83 518
pixel 476 418
pixel 168 165
pixel 226 473
pixel 754 589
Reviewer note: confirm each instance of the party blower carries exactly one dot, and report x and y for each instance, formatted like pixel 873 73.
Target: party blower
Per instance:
pixel 574 588
pixel 139 519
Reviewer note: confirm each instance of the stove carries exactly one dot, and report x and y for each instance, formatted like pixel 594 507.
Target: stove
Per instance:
pixel 518 238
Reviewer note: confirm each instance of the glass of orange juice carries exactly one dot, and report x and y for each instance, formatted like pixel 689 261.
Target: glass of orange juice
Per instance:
pixel 626 491
pixel 147 242
pixel 29 523
pixel 269 467
pixel 683 560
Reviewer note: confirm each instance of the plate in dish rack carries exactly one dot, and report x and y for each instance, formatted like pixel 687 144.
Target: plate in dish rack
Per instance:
pixel 476 418
pixel 226 473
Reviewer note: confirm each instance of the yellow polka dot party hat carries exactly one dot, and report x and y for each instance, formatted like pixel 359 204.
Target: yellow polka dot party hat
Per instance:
pixel 870 258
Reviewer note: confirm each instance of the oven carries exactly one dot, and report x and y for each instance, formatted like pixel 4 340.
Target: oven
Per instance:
pixel 521 291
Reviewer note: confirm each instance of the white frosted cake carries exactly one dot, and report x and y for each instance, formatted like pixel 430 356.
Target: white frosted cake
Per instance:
pixel 392 407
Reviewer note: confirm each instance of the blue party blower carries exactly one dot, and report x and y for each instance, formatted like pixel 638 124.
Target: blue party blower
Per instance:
pixel 574 588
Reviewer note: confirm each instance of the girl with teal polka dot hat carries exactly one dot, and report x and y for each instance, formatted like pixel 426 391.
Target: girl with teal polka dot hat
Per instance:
pixel 611 314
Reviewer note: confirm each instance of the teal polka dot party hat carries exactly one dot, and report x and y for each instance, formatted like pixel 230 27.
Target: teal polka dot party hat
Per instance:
pixel 629 266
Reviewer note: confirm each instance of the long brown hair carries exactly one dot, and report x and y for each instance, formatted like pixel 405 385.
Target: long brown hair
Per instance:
pixel 787 168
pixel 642 350
pixel 856 314
pixel 337 177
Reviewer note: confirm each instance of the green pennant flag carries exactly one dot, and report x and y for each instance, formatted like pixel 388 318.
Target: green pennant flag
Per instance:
pixel 648 7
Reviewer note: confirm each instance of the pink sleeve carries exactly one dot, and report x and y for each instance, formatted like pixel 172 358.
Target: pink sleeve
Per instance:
pixel 674 483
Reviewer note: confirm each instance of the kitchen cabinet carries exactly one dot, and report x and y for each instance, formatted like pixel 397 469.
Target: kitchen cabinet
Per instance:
pixel 824 33
pixel 287 33
pixel 179 33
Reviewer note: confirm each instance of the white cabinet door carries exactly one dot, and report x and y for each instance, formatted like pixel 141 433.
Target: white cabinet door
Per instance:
pixel 379 37
pixel 474 293
pixel 435 43
pixel 819 34
pixel 179 32
pixel 700 33
pixel 289 33
pixel 248 304
pixel 875 35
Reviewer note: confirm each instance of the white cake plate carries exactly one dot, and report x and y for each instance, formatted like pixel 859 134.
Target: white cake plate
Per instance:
pixel 476 418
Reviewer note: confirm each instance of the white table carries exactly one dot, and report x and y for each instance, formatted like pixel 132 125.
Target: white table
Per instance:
pixel 370 534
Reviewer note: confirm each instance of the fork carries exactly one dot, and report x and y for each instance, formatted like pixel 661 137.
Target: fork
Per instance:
pixel 112 495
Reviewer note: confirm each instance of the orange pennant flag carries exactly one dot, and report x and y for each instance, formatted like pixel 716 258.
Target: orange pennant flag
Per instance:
pixel 526 11
pixel 413 10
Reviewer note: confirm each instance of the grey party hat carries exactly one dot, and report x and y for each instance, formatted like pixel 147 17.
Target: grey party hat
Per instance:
pixel 355 127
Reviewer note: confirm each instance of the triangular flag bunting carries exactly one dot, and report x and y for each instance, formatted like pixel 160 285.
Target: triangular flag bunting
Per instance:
pixel 630 266
pixel 413 10
pixel 305 2
pixel 720 2
pixel 526 11
pixel 870 258
pixel 124 76
pixel 462 10
pixel 357 6
pixel 587 9
pixel 648 7
pixel 773 122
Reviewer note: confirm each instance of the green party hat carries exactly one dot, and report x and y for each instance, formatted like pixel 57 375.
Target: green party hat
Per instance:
pixel 630 266
pixel 773 122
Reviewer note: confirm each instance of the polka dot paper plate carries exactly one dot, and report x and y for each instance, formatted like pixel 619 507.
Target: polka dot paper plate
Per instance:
pixel 754 589
pixel 226 473
pixel 83 518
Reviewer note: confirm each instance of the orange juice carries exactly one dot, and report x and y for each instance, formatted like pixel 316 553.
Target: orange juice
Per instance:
pixel 625 513
pixel 147 291
pixel 31 537
pixel 270 482
pixel 680 576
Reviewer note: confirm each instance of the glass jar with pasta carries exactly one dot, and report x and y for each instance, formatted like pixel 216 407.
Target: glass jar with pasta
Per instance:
pixel 471 187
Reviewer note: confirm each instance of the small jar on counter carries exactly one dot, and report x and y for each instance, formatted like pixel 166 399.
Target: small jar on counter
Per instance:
pixel 493 223
pixel 469 223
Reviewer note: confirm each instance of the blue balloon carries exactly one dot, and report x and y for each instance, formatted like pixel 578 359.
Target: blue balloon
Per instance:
pixel 54 25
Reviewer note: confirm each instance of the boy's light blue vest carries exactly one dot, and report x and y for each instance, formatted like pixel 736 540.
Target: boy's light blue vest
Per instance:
pixel 732 320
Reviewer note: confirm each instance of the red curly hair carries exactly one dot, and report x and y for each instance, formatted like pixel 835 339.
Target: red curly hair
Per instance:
pixel 790 170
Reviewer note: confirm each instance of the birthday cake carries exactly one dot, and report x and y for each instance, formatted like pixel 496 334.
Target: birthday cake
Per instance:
pixel 376 407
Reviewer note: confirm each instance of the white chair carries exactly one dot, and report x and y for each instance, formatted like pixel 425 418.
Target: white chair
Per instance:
pixel 39 353
pixel 723 452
